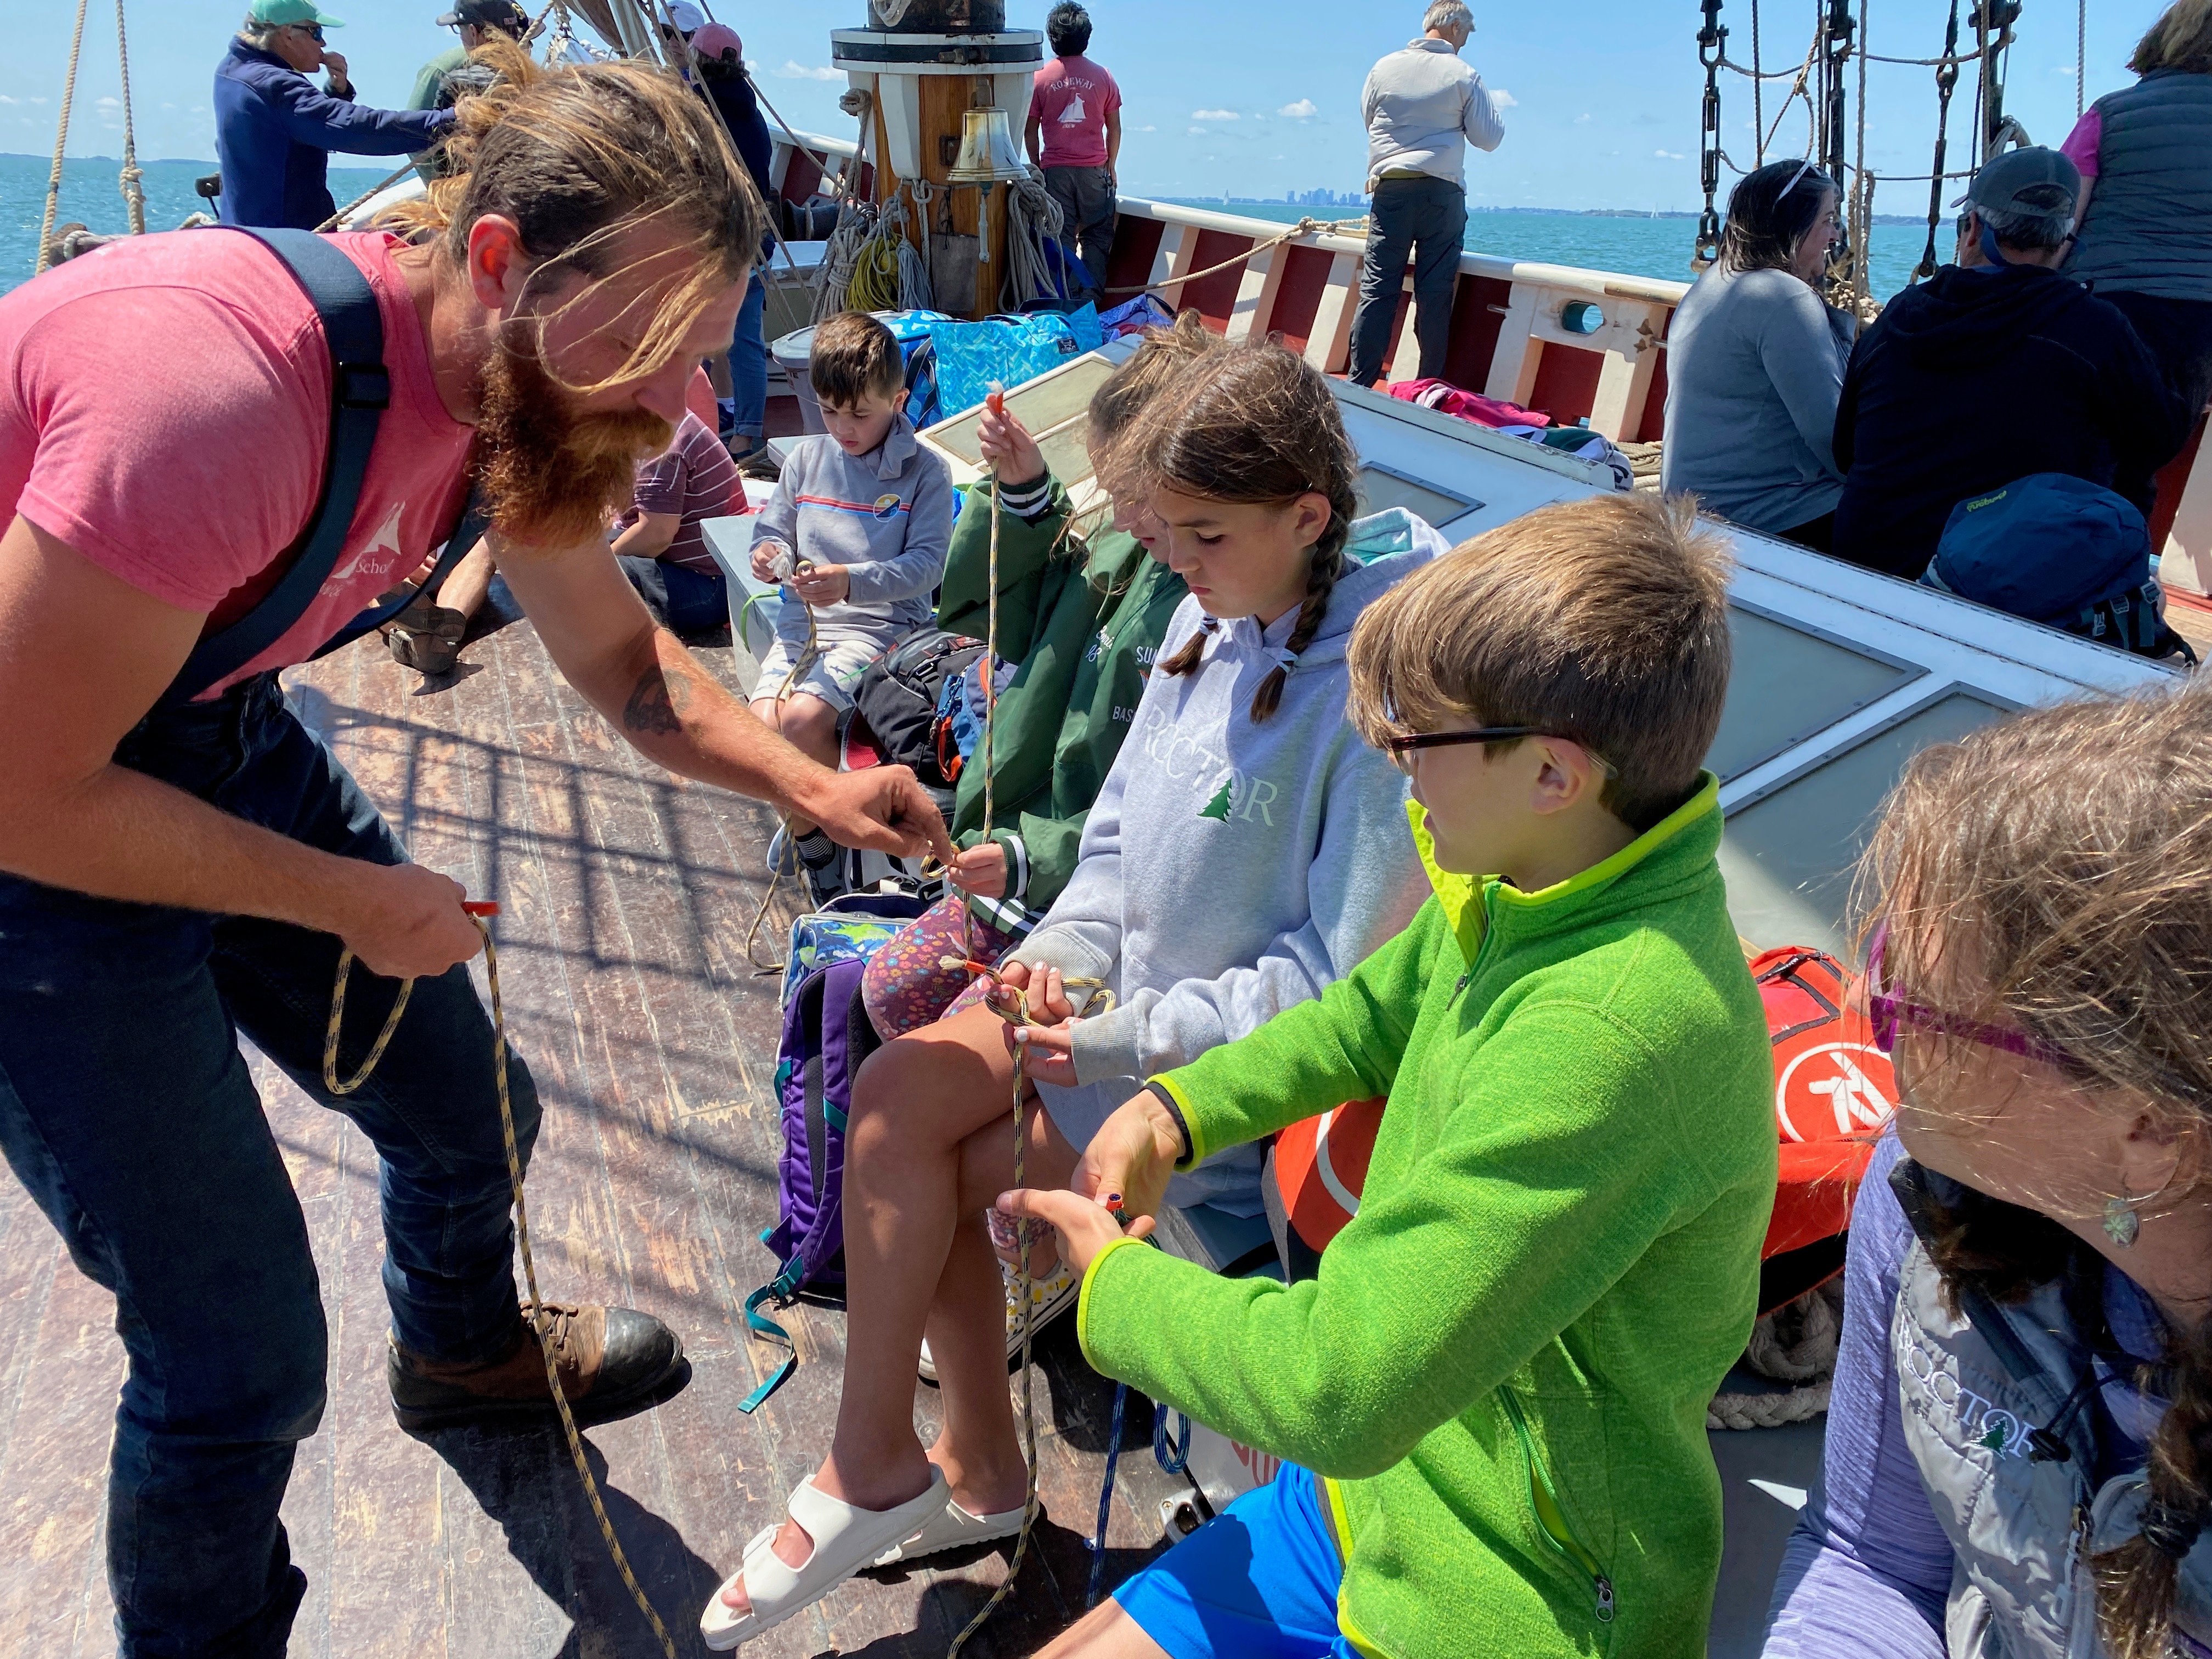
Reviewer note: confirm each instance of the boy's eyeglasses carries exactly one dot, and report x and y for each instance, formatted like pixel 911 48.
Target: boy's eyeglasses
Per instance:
pixel 1884 1013
pixel 1402 744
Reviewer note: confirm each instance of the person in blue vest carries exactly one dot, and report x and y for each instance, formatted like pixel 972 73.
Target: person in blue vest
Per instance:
pixel 274 132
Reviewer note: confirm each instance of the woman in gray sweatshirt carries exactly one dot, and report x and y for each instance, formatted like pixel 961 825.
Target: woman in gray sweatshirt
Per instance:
pixel 1755 364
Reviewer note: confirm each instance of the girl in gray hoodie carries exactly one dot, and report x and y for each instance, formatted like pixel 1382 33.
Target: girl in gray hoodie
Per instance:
pixel 1246 850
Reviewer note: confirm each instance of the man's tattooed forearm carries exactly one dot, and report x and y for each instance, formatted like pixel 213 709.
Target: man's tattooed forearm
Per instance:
pixel 659 702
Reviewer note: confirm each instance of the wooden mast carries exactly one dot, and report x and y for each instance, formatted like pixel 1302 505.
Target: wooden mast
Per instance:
pixel 935 61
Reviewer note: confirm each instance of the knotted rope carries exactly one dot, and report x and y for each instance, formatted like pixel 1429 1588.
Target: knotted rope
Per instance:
pixel 541 1322
pixel 61 140
pixel 1795 1344
pixel 132 180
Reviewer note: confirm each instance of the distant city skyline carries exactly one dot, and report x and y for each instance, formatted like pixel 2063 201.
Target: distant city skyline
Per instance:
pixel 1257 100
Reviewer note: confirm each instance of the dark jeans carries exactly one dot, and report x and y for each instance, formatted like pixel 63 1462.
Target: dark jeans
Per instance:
pixel 682 600
pixel 129 1115
pixel 2179 335
pixel 1819 534
pixel 1426 217
pixel 1087 201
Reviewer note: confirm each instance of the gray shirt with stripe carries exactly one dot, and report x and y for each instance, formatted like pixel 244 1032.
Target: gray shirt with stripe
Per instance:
pixel 886 516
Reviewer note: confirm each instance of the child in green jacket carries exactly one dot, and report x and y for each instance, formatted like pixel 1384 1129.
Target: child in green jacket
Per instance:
pixel 1082 621
pixel 1490 1403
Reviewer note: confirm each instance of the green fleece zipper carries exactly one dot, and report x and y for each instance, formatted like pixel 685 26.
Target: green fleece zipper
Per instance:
pixel 1545 1501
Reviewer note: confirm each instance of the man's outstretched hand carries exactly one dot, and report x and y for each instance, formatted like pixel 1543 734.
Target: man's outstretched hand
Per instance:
pixel 882 808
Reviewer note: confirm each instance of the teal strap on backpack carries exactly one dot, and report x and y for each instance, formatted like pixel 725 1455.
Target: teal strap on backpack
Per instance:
pixel 783 1290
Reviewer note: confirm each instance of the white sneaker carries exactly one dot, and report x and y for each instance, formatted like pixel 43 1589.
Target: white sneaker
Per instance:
pixel 1049 1298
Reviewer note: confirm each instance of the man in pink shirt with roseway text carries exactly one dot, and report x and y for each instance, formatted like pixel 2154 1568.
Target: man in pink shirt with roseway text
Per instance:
pixel 1076 109
pixel 182 860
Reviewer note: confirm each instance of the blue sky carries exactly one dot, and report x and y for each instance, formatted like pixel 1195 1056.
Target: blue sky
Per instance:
pixel 1251 98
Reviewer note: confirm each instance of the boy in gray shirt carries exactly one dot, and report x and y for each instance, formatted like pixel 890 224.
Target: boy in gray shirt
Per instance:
pixel 857 533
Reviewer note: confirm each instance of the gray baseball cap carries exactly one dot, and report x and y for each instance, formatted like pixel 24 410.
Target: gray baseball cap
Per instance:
pixel 2040 182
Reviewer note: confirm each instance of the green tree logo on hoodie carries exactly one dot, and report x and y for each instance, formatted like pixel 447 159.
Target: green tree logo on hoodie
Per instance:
pixel 1224 798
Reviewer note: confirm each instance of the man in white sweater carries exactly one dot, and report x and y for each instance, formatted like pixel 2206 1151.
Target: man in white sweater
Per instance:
pixel 1422 108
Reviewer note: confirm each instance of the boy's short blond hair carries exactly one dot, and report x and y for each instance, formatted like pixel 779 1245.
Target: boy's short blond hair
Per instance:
pixel 1603 620
pixel 854 356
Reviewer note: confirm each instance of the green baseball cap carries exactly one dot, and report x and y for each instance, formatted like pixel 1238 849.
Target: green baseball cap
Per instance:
pixel 277 13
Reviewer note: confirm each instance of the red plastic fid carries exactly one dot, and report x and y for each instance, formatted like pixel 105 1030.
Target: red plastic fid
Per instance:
pixel 480 906
pixel 995 399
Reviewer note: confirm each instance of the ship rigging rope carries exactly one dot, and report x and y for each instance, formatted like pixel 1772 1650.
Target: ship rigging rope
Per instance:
pixel 61 139
pixel 1303 228
pixel 132 182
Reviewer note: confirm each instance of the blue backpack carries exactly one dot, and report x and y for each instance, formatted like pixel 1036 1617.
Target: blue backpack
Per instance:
pixel 827 1033
pixel 2062 552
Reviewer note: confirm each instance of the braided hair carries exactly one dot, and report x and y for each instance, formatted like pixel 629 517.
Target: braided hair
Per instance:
pixel 1256 424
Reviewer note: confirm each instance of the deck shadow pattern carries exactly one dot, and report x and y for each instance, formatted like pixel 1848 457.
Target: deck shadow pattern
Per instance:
pixel 625 896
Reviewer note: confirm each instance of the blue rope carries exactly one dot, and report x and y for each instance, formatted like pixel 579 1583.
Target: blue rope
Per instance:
pixel 1097 1546
pixel 1172 1455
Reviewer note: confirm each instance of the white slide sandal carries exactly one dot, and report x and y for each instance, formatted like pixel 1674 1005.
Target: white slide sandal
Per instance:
pixel 952 1528
pixel 846 1540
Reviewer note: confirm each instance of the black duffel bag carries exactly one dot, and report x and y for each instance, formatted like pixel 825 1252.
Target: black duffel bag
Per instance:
pixel 898 697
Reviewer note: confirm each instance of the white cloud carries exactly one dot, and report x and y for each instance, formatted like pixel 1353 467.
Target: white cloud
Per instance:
pixel 1582 120
pixel 1148 128
pixel 1196 132
pixel 2066 69
pixel 793 69
pixel 1668 155
pixel 1304 110
pixel 5 99
pixel 1503 99
pixel 1214 115
pixel 111 103
pixel 169 106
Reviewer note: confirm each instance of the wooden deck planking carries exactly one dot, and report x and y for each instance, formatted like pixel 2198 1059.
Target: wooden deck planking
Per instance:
pixel 625 900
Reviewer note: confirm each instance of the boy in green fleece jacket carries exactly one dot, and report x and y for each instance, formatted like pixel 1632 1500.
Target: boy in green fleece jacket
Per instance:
pixel 1491 1402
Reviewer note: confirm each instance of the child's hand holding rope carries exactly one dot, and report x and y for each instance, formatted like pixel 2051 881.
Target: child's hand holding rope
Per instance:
pixel 1045 1039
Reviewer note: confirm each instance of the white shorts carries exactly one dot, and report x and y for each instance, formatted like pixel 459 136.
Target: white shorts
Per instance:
pixel 831 674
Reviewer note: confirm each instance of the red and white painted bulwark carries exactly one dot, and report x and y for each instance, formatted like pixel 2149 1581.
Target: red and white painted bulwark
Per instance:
pixel 1510 337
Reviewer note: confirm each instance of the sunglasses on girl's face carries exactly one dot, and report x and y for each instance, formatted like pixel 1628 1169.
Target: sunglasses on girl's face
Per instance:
pixel 1884 1013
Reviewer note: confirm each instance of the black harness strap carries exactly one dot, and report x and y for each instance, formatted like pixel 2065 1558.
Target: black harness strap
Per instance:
pixel 361 390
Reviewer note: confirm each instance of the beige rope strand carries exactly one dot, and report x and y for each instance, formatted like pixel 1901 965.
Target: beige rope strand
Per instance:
pixel 1304 227
pixel 541 1323
pixel 61 140
pixel 364 198
pixel 131 183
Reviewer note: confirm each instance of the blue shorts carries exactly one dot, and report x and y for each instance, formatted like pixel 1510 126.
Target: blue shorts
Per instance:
pixel 1259 1581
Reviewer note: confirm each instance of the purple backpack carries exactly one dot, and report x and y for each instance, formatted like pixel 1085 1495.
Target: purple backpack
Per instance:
pixel 826 1035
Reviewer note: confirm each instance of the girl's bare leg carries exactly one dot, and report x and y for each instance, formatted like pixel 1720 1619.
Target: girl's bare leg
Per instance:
pixel 928 1111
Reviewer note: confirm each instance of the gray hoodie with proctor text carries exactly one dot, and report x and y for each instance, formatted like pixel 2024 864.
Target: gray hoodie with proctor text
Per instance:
pixel 1232 868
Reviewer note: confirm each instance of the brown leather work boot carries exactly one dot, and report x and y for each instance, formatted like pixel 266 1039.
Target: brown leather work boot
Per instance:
pixel 608 1358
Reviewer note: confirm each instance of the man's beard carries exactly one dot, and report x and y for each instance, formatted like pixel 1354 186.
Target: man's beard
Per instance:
pixel 549 475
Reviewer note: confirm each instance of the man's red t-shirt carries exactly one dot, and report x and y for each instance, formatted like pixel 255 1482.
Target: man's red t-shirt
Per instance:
pixel 1070 99
pixel 165 410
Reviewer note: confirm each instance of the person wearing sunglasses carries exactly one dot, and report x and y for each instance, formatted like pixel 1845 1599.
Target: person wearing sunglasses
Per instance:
pixel 275 131
pixel 1755 363
pixel 2019 1438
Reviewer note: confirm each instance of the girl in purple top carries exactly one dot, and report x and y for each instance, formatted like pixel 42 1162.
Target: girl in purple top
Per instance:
pixel 2019 1441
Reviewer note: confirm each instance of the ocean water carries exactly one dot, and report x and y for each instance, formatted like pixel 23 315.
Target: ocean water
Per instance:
pixel 92 198
pixel 1637 246
pixel 1641 247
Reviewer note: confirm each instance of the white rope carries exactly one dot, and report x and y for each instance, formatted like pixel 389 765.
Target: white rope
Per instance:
pixel 1032 216
pixel 1796 1345
pixel 61 139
